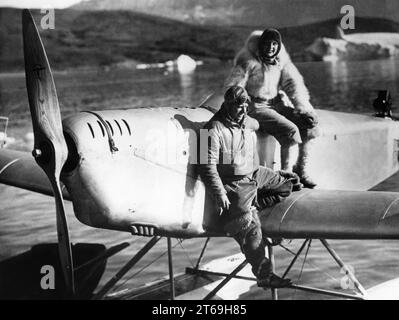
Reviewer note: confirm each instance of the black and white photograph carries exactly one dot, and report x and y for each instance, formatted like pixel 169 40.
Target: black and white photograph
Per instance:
pixel 194 150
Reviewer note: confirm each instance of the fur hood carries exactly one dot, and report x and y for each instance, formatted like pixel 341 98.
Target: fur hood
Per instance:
pixel 265 81
pixel 251 51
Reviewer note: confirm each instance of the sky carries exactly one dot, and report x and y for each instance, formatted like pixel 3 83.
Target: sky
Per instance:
pixel 38 3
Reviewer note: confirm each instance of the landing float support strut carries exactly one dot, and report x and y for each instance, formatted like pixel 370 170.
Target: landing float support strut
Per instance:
pixel 234 274
pixel 108 286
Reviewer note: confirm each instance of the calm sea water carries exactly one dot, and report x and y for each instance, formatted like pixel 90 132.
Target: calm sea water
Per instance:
pixel 27 219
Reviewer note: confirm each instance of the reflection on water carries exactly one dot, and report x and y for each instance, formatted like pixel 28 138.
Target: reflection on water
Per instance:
pixel 350 86
pixel 187 85
pixel 339 73
pixel 29 218
pixel 341 86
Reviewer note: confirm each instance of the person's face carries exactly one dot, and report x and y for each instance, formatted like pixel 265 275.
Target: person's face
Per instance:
pixel 269 48
pixel 238 110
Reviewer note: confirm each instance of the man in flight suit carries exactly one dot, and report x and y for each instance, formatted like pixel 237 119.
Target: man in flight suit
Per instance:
pixel 237 182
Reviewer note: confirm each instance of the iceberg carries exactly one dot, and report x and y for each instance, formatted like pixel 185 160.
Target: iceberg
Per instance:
pixel 184 64
pixel 356 46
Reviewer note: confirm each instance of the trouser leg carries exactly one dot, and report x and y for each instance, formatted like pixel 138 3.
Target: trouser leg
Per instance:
pixel 277 125
pixel 252 245
pixel 307 134
pixel 288 157
pixel 242 221
pixel 284 130
pixel 249 236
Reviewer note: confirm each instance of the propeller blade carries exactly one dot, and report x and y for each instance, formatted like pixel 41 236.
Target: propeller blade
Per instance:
pixel 50 149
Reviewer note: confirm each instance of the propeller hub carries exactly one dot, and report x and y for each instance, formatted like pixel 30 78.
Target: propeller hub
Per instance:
pixel 36 153
pixel 43 153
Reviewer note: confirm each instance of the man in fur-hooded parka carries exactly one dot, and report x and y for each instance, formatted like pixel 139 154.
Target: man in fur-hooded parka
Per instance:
pixel 279 98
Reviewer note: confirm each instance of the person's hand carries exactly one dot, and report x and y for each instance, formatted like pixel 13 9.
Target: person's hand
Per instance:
pixel 309 118
pixel 223 201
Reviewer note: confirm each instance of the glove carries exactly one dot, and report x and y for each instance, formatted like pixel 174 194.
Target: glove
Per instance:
pixel 269 197
pixel 307 116
pixel 309 119
pixel 293 177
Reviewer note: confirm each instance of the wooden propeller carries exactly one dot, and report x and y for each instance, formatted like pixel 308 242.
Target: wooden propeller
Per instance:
pixel 50 149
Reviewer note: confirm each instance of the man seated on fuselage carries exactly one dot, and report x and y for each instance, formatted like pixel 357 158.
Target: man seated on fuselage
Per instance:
pixel 239 185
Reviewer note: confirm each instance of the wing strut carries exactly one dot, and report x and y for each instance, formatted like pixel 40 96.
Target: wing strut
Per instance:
pixel 347 270
pixel 129 265
pixel 171 276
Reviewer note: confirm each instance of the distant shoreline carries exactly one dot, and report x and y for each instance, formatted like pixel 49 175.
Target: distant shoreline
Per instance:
pixel 105 39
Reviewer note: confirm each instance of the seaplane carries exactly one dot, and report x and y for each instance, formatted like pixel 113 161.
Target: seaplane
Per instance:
pixel 107 163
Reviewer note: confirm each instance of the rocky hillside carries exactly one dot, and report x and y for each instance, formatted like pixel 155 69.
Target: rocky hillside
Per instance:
pixel 253 13
pixel 98 38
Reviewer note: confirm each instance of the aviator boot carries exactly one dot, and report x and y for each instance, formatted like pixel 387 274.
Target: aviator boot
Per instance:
pixel 301 167
pixel 267 279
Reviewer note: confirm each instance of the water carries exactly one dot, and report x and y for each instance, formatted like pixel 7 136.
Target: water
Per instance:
pixel 27 219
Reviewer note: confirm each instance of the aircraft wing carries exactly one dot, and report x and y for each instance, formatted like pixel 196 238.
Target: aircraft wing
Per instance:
pixel 334 214
pixel 19 169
